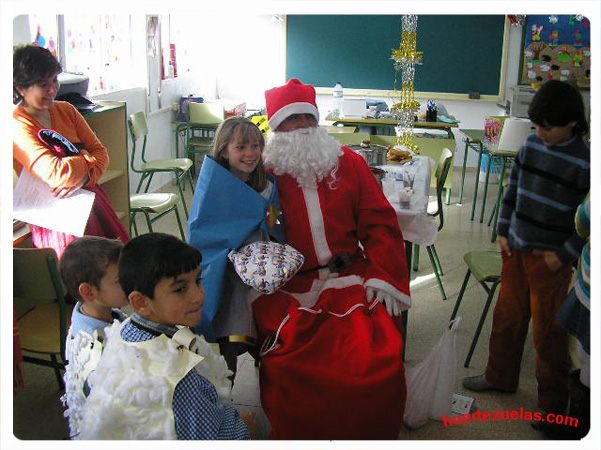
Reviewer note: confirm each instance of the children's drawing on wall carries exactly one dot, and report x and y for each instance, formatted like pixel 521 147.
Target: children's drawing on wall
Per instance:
pixel 556 47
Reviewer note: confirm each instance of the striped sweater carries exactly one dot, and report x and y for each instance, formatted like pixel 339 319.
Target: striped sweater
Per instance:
pixel 545 187
pixel 583 226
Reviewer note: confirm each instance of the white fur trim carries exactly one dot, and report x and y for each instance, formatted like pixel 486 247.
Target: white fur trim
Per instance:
pixel 292 108
pixel 318 232
pixel 308 299
pixel 398 295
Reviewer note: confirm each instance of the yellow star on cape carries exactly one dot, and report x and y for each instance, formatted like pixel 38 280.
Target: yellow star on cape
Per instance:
pixel 273 214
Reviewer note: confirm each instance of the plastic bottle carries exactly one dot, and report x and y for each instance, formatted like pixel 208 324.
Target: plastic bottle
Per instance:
pixel 338 95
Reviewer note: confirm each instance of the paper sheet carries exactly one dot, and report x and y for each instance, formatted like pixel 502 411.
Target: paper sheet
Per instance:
pixel 34 203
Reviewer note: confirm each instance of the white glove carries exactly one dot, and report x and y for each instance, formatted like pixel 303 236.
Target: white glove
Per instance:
pixel 393 306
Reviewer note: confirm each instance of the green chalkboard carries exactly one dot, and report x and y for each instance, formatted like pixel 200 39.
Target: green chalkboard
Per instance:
pixel 462 53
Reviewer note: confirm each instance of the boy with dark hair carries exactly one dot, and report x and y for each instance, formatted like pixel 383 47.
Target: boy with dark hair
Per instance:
pixel 539 243
pixel 89 270
pixel 156 379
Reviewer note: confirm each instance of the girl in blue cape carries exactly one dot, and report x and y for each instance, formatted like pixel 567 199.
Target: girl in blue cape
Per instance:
pixel 235 203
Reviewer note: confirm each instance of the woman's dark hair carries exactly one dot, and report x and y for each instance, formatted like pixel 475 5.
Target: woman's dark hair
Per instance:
pixel 31 65
pixel 150 257
pixel 558 103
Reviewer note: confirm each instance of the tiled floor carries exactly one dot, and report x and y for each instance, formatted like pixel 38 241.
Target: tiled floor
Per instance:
pixel 38 413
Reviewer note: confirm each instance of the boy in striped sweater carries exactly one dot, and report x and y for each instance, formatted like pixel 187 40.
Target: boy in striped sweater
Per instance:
pixel 539 244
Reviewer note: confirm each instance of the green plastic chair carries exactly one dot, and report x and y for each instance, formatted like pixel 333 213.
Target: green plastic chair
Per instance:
pixel 486 267
pixel 204 118
pixel 39 293
pixel 180 167
pixel 441 173
pixel 153 206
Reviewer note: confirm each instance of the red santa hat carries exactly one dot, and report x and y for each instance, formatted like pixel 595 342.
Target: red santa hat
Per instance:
pixel 292 98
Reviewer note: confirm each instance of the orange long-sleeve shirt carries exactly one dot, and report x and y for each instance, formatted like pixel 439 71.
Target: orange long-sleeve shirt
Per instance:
pixel 33 155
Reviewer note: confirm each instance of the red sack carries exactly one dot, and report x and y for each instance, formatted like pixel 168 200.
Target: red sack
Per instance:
pixel 332 371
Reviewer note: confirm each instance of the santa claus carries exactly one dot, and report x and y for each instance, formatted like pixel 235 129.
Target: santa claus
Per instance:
pixel 331 364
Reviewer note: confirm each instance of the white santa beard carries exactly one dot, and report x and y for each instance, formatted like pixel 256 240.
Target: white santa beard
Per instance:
pixel 307 154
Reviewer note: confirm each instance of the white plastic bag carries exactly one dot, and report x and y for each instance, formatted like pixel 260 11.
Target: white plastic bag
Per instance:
pixel 430 384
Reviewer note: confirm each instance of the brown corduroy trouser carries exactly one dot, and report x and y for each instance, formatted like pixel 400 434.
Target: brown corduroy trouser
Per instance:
pixel 530 289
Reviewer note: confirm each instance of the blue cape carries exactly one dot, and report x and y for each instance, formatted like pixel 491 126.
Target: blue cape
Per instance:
pixel 225 212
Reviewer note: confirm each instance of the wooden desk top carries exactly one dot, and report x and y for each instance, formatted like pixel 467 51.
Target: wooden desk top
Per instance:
pixel 390 121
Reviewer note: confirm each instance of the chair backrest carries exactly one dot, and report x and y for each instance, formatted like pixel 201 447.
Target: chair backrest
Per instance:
pixel 442 170
pixel 138 129
pixel 36 279
pixel 205 113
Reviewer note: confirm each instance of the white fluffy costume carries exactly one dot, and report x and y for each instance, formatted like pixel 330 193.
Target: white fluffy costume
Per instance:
pixel 133 385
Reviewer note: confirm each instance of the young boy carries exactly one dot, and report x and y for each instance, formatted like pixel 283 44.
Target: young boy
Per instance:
pixel 89 270
pixel 156 379
pixel 539 243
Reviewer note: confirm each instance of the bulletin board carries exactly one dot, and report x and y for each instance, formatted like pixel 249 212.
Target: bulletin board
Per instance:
pixel 556 47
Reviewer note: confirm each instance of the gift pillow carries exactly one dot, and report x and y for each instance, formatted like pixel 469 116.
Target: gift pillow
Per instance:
pixel 266 266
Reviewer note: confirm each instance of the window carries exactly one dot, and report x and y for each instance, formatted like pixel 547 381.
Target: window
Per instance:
pixel 99 47
pixel 44 32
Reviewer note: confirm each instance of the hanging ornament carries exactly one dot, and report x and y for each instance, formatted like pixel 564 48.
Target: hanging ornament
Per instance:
pixel 553 19
pixel 405 58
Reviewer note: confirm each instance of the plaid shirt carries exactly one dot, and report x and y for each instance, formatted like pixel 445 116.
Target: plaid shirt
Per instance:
pixel 198 414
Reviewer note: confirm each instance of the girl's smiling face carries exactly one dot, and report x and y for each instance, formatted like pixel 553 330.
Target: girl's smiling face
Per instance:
pixel 242 157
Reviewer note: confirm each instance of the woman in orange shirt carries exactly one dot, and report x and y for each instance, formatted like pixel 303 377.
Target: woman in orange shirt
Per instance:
pixel 35 85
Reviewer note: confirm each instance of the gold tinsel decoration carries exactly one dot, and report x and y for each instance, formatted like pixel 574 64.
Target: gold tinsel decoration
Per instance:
pixel 405 58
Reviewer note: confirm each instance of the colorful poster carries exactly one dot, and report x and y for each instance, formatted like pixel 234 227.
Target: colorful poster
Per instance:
pixel 556 47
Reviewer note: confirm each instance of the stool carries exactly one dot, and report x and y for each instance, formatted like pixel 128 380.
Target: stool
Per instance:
pixel 155 203
pixel 486 267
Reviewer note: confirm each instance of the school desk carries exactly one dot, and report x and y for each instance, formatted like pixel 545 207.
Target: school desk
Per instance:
pixel 389 123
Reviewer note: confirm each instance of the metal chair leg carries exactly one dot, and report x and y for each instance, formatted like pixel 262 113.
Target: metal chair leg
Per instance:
pixel 491 293
pixel 416 258
pixel 477 181
pixel 57 372
pixel 463 171
pixel 435 253
pixel 486 180
pixel 492 214
pixel 179 223
pixel 149 180
pixel 461 292
pixel 444 295
pixel 181 196
pixel 191 180
pixel 142 178
pixel 148 221
pixel 132 224
pixel 493 237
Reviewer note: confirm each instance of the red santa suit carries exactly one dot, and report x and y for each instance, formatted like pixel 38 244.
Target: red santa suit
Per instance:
pixel 332 365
